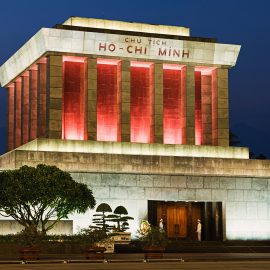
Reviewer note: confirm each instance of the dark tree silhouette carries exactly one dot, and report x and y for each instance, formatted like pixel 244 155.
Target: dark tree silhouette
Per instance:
pixel 233 139
pixel 33 196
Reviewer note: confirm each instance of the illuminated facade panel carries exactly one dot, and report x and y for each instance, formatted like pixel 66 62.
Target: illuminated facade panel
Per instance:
pixel 172 127
pixel 74 99
pixel 198 108
pixel 206 88
pixel 108 100
pixel 205 106
pixel 141 99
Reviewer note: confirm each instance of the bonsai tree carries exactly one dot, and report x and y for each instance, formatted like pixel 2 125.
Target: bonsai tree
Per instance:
pixel 33 196
pixel 121 218
pixel 101 218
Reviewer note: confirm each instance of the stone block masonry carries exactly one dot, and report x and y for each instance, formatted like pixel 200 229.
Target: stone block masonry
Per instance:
pixel 245 199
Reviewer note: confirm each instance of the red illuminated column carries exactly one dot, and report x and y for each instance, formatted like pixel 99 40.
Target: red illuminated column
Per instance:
pixel 172 104
pixel 42 87
pixel 214 107
pixel 108 100
pixel 11 117
pixel 141 122
pixel 206 88
pixel 18 112
pixel 25 107
pixel 198 108
pixel 74 99
pixel 33 75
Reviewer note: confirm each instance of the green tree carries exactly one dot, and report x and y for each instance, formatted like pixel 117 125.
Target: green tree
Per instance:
pixel 33 196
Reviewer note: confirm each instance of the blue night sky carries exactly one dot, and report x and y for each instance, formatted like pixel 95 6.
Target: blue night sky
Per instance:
pixel 243 22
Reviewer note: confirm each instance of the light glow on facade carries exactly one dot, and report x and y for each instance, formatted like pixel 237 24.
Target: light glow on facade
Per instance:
pixel 172 118
pixel 108 100
pixel 74 99
pixel 141 102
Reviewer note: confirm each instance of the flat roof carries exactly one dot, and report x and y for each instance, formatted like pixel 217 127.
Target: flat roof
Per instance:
pixel 83 36
pixel 128 26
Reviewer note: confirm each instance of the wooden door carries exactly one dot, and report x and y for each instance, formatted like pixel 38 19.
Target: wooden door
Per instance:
pixel 176 221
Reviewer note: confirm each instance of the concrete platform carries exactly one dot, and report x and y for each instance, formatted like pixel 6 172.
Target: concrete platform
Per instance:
pixel 187 265
pixel 139 258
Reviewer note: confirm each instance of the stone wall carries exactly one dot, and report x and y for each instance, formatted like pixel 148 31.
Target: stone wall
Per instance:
pixel 131 180
pixel 246 200
pixel 118 163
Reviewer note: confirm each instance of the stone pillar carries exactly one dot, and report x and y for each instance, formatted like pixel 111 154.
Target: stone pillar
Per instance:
pixel 92 99
pixel 18 110
pixel 183 105
pixel 42 106
pixel 25 107
pixel 190 106
pixel 222 107
pixel 11 117
pixel 125 101
pixel 206 105
pixel 158 103
pixel 54 97
pixel 33 75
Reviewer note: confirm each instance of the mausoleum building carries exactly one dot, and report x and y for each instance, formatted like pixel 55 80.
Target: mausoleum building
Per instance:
pixel 138 112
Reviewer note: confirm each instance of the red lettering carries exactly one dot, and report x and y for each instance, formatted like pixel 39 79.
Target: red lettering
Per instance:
pixel 129 49
pixel 185 53
pixel 138 49
pixel 102 47
pixel 111 47
pixel 160 52
pixel 176 53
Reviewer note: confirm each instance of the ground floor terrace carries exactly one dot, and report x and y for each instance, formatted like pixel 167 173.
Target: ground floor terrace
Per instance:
pixel 231 196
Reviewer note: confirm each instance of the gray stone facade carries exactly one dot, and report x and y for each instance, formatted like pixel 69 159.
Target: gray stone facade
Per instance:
pixel 246 200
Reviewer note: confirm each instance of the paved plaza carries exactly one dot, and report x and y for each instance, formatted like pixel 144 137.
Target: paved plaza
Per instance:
pixel 151 266
pixel 215 261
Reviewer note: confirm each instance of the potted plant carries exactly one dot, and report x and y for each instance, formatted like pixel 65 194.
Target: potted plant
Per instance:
pixel 91 237
pixel 154 241
pixel 30 238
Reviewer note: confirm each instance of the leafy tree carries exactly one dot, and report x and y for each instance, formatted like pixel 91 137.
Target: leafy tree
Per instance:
pixel 101 218
pixel 121 218
pixel 33 196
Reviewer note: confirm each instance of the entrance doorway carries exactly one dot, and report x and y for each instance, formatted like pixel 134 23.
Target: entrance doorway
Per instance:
pixel 180 219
